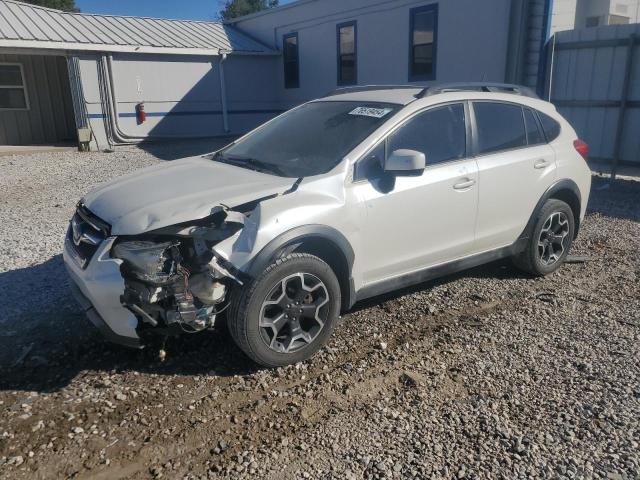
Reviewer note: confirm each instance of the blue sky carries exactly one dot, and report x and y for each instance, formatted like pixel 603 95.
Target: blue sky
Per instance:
pixel 185 9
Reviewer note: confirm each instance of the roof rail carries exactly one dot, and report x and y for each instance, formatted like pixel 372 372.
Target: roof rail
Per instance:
pixel 480 87
pixel 365 88
pixel 444 88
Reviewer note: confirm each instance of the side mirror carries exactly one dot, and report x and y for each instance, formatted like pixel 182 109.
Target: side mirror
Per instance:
pixel 405 162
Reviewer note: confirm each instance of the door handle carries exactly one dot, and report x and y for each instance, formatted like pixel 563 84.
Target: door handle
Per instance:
pixel 464 184
pixel 540 163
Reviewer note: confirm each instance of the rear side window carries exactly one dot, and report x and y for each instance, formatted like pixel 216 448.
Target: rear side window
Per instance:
pixel 550 126
pixel 500 126
pixel 439 133
pixel 534 135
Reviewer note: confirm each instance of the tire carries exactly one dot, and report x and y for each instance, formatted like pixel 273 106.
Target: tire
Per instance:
pixel 536 259
pixel 256 311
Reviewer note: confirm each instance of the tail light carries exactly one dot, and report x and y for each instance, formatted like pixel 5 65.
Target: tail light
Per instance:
pixel 582 148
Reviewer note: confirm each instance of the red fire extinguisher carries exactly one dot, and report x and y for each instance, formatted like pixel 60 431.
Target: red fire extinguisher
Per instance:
pixel 141 115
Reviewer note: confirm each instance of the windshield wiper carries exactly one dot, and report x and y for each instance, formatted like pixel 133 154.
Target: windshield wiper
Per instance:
pixel 251 163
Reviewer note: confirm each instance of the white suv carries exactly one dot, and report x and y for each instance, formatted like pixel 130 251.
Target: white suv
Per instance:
pixel 342 198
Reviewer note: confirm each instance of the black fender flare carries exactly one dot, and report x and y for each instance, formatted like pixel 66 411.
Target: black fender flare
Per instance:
pixel 564 184
pixel 296 236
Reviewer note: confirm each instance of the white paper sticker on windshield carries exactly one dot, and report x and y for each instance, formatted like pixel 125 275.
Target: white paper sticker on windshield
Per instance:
pixel 370 112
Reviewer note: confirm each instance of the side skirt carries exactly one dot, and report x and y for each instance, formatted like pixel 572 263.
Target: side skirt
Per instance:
pixel 430 273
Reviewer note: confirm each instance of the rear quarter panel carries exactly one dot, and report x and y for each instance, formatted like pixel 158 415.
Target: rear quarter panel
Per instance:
pixel 570 164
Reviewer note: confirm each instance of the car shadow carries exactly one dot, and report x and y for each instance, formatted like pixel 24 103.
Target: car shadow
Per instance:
pixel 499 270
pixel 48 368
pixel 34 307
pixel 46 341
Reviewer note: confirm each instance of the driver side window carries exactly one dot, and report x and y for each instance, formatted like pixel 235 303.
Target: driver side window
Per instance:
pixel 439 133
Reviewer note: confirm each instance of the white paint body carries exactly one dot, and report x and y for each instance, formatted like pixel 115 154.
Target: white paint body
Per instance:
pixel 390 235
pixel 452 211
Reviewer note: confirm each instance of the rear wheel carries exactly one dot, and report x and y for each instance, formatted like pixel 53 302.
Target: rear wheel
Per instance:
pixel 287 313
pixel 550 240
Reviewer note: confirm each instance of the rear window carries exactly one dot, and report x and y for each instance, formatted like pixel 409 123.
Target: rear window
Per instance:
pixel 534 135
pixel 550 126
pixel 500 126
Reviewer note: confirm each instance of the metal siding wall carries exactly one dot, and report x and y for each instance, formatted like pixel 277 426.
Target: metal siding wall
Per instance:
pixel 170 88
pixel 182 94
pixel 50 116
pixel 596 74
pixel 175 88
pixel 251 83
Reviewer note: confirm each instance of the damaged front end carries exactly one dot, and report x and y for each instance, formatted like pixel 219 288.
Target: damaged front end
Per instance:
pixel 174 281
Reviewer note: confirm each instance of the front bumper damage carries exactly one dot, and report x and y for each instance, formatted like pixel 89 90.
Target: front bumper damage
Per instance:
pixel 96 319
pixel 164 282
pixel 97 288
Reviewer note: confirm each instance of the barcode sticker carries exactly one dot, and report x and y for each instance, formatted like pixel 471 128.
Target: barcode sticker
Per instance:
pixel 370 112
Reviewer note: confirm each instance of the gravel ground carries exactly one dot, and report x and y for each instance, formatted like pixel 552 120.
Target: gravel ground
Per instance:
pixel 485 374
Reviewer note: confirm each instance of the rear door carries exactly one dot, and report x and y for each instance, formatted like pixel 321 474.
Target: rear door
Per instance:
pixel 515 167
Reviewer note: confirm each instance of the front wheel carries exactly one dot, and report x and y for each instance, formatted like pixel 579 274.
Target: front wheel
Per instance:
pixel 550 239
pixel 288 312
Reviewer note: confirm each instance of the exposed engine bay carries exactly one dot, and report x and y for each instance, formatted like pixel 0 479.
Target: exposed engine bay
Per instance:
pixel 174 281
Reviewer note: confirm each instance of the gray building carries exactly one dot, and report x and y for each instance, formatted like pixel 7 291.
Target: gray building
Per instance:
pixel 329 43
pixel 578 14
pixel 195 79
pixel 70 76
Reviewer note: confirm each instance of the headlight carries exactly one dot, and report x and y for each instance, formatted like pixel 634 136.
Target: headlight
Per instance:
pixel 149 261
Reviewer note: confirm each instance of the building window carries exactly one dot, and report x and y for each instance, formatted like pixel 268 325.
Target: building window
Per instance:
pixel 423 40
pixel 618 20
pixel 13 91
pixel 592 22
pixel 291 61
pixel 347 53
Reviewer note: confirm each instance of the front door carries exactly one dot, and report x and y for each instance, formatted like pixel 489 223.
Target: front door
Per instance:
pixel 413 222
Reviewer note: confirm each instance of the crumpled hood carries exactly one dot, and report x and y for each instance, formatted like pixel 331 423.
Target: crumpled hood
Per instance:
pixel 176 192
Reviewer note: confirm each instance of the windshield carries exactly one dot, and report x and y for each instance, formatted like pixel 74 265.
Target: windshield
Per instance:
pixel 308 140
